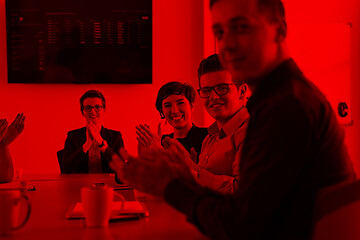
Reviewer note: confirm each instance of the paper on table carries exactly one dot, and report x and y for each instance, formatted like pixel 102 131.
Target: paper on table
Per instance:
pixel 133 208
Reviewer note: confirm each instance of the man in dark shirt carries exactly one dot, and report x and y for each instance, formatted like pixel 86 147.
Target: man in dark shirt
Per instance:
pixel 293 147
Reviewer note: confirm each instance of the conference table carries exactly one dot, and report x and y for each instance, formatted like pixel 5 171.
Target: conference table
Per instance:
pixel 53 194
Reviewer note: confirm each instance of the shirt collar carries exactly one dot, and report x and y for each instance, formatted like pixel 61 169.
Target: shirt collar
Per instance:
pixel 230 127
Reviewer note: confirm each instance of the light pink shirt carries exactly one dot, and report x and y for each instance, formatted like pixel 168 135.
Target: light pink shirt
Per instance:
pixel 220 154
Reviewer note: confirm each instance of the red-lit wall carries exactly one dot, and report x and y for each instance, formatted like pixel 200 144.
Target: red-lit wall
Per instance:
pixel 179 45
pixel 344 11
pixel 52 110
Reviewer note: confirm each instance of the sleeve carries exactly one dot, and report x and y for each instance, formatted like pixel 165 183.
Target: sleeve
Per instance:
pixel 273 157
pixel 74 159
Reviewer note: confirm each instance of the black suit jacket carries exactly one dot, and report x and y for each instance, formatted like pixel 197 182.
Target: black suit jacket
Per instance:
pixel 76 161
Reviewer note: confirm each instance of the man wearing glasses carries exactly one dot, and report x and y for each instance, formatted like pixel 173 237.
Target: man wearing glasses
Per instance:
pixel 89 149
pixel 219 161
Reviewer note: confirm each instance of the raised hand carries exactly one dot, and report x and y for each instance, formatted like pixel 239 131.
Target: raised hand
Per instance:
pixel 3 126
pixel 94 132
pixel 146 138
pixel 181 153
pixel 88 142
pixel 14 129
pixel 154 170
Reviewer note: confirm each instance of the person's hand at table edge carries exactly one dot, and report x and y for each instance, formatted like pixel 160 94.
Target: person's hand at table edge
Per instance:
pixel 152 171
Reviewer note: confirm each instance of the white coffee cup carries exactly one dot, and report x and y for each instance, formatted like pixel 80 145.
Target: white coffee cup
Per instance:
pixel 97 202
pixel 10 210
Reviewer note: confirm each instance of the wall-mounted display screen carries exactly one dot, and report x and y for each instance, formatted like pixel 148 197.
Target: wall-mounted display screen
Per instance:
pixel 76 41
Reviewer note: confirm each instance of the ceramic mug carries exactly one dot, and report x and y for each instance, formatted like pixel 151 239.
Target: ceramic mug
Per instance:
pixel 10 201
pixel 97 202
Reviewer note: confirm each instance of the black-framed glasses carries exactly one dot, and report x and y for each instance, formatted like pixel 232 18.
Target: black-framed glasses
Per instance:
pixel 89 108
pixel 220 89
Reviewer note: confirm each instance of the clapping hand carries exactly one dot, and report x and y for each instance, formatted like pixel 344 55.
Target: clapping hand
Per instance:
pixel 13 130
pixel 146 138
pixel 94 133
pixel 187 158
pixel 154 170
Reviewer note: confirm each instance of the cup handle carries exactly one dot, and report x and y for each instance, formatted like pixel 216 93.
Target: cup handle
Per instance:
pixel 121 198
pixel 28 206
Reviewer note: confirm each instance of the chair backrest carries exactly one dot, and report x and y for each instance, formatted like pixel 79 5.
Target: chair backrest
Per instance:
pixel 337 212
pixel 60 154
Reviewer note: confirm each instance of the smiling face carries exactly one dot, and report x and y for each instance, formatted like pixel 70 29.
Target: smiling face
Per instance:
pixel 248 42
pixel 177 111
pixel 223 107
pixel 93 116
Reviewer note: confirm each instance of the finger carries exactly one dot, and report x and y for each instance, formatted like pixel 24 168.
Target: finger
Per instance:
pixel 16 120
pixel 20 124
pixel 143 138
pixel 141 141
pixel 145 132
pixel 3 129
pixel 159 130
pixel 3 123
pixel 166 142
pixel 124 154
pixel 193 154
pixel 179 152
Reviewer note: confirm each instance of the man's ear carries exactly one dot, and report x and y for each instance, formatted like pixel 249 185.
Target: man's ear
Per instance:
pixel 281 31
pixel 242 91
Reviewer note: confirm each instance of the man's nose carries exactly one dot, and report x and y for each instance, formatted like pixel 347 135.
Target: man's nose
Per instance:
pixel 213 95
pixel 228 43
pixel 92 110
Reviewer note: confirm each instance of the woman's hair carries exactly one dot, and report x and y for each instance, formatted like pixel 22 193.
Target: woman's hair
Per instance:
pixel 92 94
pixel 176 88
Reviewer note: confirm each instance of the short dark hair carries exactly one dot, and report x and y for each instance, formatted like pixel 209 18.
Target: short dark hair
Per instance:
pixel 92 94
pixel 172 88
pixel 274 8
pixel 209 65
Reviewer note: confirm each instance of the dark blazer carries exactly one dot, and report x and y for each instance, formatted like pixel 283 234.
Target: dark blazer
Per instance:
pixel 76 161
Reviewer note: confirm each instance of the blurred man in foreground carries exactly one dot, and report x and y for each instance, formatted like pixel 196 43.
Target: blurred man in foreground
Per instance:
pixel 293 146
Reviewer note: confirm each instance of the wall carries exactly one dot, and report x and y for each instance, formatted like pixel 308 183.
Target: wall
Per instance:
pixel 345 11
pixel 178 45
pixel 52 110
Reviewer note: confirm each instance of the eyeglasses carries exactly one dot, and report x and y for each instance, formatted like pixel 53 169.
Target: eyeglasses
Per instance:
pixel 220 89
pixel 97 108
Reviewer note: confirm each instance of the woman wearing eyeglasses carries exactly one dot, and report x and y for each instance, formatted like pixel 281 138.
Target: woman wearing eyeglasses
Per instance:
pixel 89 149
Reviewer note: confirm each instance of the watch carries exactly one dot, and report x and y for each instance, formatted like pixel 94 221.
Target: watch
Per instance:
pixel 103 143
